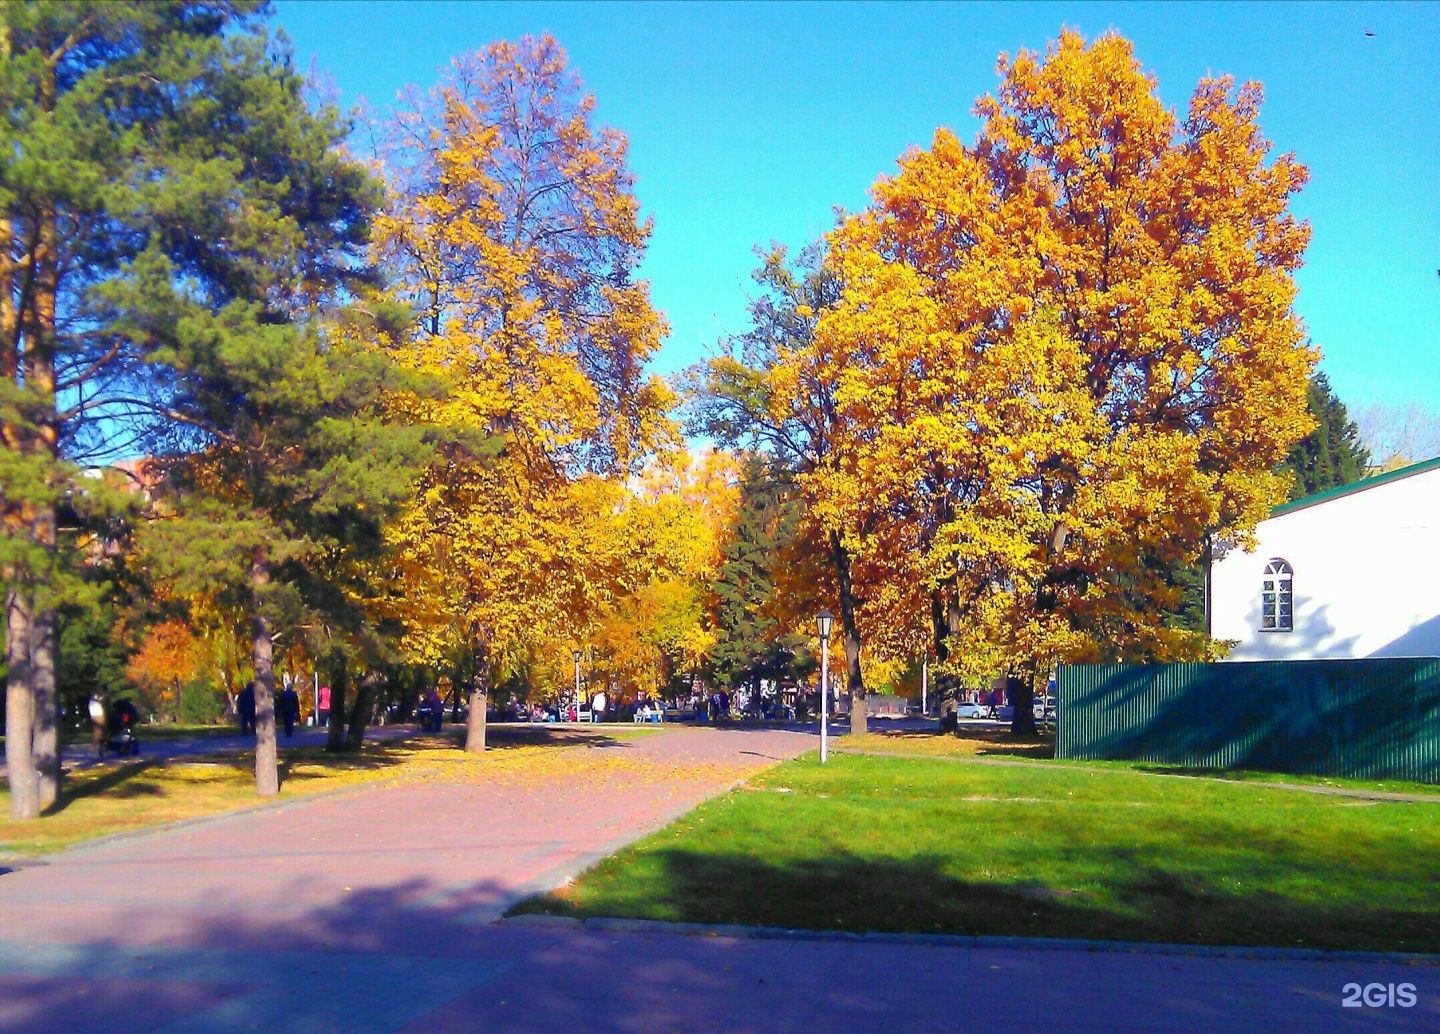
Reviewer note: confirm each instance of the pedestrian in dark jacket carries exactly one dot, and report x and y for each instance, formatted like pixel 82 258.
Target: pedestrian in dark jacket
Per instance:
pixel 289 709
pixel 245 708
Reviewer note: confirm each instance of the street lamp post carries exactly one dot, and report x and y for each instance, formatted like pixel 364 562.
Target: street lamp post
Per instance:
pixel 823 620
pixel 925 686
pixel 577 685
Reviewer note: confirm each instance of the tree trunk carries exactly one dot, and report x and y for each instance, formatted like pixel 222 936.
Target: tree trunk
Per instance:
pixel 47 708
pixel 850 631
pixel 339 680
pixel 40 380
pixel 479 699
pixel 412 690
pixel 945 622
pixel 360 712
pixel 262 656
pixel 1021 691
pixel 20 711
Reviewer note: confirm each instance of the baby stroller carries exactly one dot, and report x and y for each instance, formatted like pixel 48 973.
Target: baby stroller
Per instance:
pixel 123 740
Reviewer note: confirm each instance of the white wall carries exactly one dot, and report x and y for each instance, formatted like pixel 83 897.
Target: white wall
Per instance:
pixel 1367 577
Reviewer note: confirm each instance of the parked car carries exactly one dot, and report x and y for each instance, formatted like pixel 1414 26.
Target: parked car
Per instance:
pixel 968 709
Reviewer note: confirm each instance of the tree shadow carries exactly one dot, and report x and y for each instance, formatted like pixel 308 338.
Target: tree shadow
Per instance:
pixel 1143 901
pixel 117 779
pixel 416 954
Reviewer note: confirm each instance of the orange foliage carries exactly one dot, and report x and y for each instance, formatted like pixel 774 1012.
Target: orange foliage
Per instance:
pixel 1063 357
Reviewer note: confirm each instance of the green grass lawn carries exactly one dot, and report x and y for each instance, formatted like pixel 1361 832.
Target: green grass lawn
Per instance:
pixel 931 846
pixel 998 744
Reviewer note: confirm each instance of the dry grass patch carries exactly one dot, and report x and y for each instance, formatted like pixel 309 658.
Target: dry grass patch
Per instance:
pixel 970 743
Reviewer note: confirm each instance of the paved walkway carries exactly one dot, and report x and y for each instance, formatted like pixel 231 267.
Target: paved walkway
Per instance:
pixel 372 912
pixel 81 755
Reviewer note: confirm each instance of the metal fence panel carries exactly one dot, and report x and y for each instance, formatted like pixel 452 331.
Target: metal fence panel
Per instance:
pixel 1377 718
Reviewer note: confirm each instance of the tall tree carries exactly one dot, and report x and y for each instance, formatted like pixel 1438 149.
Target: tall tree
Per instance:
pixel 752 643
pixel 240 223
pixel 515 232
pixel 757 394
pixel 666 534
pixel 1067 354
pixel 153 152
pixel 284 508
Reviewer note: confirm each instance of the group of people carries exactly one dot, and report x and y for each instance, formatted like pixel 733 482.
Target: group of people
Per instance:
pixel 287 709
pixel 714 707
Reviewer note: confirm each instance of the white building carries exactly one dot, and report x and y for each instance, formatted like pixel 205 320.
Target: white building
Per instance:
pixel 1352 572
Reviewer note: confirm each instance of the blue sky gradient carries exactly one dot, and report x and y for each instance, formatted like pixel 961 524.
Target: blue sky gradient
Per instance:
pixel 751 122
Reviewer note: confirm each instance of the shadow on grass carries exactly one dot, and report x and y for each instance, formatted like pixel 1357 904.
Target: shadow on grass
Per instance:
pixel 131 780
pixel 845 892
pixel 135 779
pixel 118 779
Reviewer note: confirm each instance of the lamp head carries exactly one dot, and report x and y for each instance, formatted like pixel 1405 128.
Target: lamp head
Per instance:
pixel 823 621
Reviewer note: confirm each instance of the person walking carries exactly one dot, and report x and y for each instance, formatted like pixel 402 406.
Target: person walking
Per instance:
pixel 436 718
pixel 98 723
pixel 245 708
pixel 597 707
pixel 322 706
pixel 289 709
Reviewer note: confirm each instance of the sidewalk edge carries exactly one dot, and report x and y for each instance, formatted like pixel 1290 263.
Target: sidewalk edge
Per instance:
pixel 656 926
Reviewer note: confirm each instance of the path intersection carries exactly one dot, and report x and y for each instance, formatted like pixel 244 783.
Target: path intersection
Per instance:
pixel 374 911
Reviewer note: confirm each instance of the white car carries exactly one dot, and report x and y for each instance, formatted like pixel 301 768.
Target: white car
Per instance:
pixel 969 710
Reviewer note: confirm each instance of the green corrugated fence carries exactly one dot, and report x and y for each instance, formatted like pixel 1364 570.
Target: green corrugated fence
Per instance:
pixel 1377 718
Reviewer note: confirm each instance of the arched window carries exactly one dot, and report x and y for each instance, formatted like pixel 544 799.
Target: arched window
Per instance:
pixel 1277 597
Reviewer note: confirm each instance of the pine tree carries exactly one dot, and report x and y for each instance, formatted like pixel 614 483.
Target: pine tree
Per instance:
pixel 1331 455
pixel 750 644
pixel 161 179
pixel 282 511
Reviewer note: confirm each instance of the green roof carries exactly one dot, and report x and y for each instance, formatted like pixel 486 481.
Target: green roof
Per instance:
pixel 1357 486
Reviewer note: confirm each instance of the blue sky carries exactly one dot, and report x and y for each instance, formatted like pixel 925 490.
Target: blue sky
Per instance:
pixel 751 122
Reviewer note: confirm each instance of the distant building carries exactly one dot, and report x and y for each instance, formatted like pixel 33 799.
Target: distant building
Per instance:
pixel 1351 572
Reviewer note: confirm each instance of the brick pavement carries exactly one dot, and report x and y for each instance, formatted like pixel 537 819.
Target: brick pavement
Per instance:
pixel 371 912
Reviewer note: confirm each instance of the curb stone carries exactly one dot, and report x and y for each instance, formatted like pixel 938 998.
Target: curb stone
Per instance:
pixel 741 932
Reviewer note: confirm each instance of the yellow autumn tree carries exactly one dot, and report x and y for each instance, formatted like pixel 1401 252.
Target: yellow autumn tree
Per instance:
pixel 1064 360
pixel 672 526
pixel 514 232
